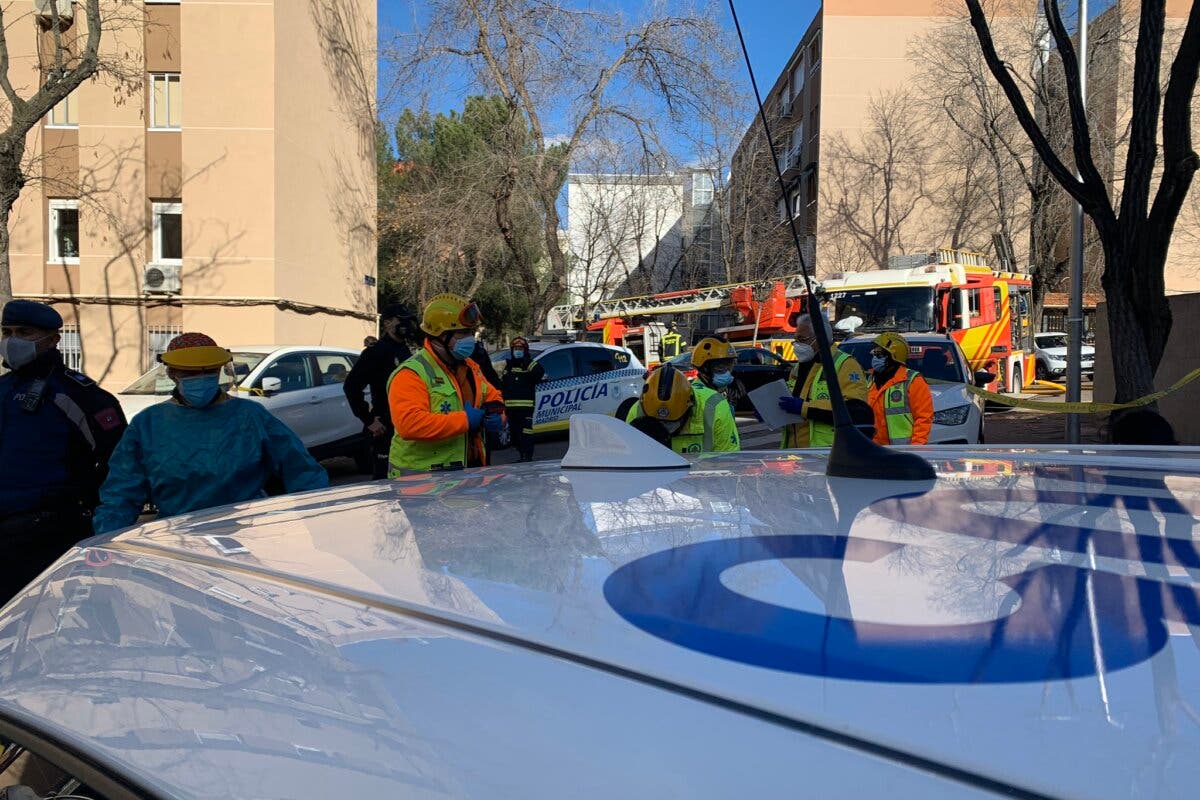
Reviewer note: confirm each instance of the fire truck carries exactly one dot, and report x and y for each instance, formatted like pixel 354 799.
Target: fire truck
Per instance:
pixel 987 311
pixel 766 314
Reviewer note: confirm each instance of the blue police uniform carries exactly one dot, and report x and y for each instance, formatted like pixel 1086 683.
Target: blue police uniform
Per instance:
pixel 57 431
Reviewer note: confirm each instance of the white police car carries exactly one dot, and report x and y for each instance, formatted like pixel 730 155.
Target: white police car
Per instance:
pixel 580 378
pixel 631 623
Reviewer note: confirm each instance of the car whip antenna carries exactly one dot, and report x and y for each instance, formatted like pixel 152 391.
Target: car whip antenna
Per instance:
pixel 853 455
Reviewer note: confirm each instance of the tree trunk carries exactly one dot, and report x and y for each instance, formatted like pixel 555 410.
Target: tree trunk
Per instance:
pixel 1133 369
pixel 6 291
pixel 12 181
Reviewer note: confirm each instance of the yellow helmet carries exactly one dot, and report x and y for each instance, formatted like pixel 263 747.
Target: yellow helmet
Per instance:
pixel 895 345
pixel 195 351
pixel 450 312
pixel 667 394
pixel 711 349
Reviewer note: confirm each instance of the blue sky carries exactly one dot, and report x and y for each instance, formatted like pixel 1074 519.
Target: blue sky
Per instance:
pixel 772 29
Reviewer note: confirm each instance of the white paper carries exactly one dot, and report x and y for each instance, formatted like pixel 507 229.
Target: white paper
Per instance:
pixel 766 402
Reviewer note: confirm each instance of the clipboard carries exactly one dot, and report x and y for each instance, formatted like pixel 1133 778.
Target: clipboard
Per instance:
pixel 765 400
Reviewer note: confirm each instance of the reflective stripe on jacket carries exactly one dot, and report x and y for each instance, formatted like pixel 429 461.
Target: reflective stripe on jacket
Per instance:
pixel 854 384
pixel 903 409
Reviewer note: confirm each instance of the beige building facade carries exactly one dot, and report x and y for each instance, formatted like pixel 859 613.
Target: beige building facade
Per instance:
pixel 233 192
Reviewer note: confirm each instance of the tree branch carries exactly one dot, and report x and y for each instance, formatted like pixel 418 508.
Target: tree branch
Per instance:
pixel 1179 160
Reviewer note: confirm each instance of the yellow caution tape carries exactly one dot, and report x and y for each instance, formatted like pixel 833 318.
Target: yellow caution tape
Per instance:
pixel 1083 408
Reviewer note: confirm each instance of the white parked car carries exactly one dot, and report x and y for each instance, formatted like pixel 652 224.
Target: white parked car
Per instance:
pixel 1050 349
pixel 957 413
pixel 632 623
pixel 302 386
pixel 581 377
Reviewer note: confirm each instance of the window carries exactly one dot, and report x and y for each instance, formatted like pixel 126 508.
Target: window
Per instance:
pixel 166 101
pixel 64 232
pixel 333 368
pixel 798 80
pixel 797 144
pixel 595 360
pixel 812 121
pixel 157 340
pixel 975 302
pixel 71 347
pixel 293 371
pixel 810 184
pixel 168 233
pixel 795 203
pixel 557 365
pixel 63 114
pixel 702 189
pixel 814 53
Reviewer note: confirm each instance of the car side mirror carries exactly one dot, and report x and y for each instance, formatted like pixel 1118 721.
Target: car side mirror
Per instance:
pixel 271 386
pixel 983 378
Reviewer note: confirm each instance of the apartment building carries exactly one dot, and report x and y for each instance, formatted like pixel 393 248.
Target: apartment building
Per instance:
pixel 227 185
pixel 639 233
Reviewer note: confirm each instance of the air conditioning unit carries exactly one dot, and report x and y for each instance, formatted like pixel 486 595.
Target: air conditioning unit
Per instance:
pixel 161 279
pixel 45 10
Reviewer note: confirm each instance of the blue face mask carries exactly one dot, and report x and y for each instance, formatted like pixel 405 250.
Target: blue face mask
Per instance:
pixel 463 348
pixel 518 354
pixel 722 379
pixel 200 390
pixel 879 363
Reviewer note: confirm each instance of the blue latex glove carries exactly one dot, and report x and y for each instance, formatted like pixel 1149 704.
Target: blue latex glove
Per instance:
pixel 792 405
pixel 474 417
pixel 493 423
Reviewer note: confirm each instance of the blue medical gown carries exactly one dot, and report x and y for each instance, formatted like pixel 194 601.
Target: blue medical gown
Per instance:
pixel 182 459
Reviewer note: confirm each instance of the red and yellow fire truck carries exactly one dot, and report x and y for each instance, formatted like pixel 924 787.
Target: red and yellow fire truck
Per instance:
pixel 986 311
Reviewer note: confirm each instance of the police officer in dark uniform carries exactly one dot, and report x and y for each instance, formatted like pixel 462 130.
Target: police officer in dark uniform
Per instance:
pixel 57 431
pixel 519 385
pixel 372 371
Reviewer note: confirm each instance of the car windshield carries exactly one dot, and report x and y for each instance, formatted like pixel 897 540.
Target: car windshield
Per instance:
pixel 936 361
pixel 157 383
pixel 903 309
pixel 1055 340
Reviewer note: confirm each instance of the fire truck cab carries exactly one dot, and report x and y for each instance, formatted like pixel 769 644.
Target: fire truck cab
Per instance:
pixel 949 291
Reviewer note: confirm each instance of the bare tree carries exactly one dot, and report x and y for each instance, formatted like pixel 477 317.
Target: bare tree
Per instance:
pixel 757 242
pixel 1135 230
pixel 66 57
pixel 544 59
pixel 875 185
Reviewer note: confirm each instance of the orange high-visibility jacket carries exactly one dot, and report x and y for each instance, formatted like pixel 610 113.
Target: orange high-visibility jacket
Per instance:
pixel 920 402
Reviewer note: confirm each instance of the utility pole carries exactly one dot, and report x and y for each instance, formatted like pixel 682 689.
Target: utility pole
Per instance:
pixel 1075 305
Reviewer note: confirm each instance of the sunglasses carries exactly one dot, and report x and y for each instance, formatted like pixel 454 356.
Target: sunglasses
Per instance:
pixel 879 353
pixel 470 317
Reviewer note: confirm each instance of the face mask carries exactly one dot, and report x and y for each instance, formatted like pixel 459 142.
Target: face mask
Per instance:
pixel 673 425
pixel 19 352
pixel 200 390
pixel 463 348
pixel 878 363
pixel 804 352
pixel 722 379
pixel 518 354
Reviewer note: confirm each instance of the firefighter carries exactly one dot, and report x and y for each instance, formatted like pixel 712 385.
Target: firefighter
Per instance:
pixel 698 418
pixel 372 371
pixel 899 396
pixel 671 344
pixel 521 377
pixel 713 360
pixel 810 392
pixel 437 397
pixel 58 430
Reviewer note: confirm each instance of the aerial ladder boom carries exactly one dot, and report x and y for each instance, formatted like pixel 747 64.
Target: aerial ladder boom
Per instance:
pixel 570 315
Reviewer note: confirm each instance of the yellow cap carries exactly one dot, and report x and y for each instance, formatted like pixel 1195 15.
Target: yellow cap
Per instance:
pixel 449 312
pixel 195 351
pixel 711 349
pixel 894 343
pixel 667 394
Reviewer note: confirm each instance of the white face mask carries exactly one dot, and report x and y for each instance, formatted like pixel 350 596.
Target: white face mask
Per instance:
pixel 18 352
pixel 804 352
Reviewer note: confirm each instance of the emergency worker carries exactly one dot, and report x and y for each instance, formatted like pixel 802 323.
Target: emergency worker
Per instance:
pixel 714 360
pixel 698 418
pixel 202 448
pixel 57 432
pixel 671 343
pixel 372 371
pixel 437 397
pixel 899 396
pixel 521 377
pixel 810 392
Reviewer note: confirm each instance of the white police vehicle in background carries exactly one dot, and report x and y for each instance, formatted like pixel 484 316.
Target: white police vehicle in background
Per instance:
pixel 632 623
pixel 300 385
pixel 957 413
pixel 580 378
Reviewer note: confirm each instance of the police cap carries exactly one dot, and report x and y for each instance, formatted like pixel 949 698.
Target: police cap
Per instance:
pixel 397 311
pixel 31 314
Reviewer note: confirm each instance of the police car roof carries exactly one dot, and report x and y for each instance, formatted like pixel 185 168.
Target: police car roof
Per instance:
pixel 1025 625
